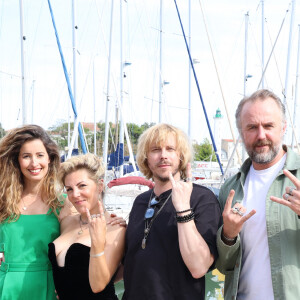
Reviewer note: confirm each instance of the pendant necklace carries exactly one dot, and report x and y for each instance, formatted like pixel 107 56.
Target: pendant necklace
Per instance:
pixel 81 223
pixel 148 225
pixel 24 204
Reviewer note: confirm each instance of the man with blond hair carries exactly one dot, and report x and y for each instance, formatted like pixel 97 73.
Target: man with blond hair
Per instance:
pixel 171 235
pixel 260 240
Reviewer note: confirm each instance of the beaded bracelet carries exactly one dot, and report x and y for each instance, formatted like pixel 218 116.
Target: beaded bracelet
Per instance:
pixel 97 255
pixel 183 211
pixel 227 239
pixel 186 218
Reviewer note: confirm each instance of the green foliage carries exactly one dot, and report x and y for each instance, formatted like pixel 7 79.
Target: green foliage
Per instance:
pixel 204 151
pixel 59 133
pixel 2 131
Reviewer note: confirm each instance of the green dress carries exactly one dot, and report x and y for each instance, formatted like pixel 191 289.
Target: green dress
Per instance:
pixel 27 272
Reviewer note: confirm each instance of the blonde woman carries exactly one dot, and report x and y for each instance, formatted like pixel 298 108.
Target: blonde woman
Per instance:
pixel 88 252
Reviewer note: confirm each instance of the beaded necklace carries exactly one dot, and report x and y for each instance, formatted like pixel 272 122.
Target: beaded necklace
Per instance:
pixel 148 224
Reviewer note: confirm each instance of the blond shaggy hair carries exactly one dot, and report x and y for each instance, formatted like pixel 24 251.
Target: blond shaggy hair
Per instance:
pixel 158 134
pixel 89 162
pixel 11 177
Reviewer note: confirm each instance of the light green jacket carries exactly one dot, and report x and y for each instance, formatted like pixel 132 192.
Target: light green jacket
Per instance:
pixel 283 228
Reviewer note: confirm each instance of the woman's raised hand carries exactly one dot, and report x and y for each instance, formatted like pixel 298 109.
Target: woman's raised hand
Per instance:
pixel 97 228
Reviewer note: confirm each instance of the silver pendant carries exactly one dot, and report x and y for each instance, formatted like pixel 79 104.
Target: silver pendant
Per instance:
pixel 80 232
pixel 144 243
pixel 24 207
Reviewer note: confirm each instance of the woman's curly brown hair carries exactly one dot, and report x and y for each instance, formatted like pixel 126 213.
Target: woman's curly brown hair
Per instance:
pixel 11 177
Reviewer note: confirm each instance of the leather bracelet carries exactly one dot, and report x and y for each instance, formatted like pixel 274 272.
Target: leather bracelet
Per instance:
pixel 97 255
pixel 183 211
pixel 186 218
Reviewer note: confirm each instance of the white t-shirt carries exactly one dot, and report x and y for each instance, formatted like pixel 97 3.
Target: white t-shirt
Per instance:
pixel 255 279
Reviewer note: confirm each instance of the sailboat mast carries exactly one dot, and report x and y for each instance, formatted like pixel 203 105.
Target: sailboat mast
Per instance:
pixel 105 150
pixel 246 53
pixel 262 41
pixel 94 96
pixel 74 27
pixel 190 75
pixel 121 82
pixel 24 112
pixel 296 90
pixel 245 69
pixel 160 63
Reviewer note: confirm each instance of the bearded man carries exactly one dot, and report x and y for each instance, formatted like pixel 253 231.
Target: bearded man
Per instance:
pixel 171 234
pixel 260 240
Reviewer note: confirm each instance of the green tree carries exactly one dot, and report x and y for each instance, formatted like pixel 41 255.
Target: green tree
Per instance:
pixel 204 151
pixel 2 131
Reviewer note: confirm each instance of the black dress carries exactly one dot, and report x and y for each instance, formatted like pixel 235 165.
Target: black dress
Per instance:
pixel 72 280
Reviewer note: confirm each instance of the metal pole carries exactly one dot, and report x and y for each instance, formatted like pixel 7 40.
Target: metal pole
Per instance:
pixel 296 89
pixel 245 70
pixel 190 75
pixel 94 94
pixel 289 53
pixel 105 150
pixel 262 41
pixel 160 64
pixel 74 62
pixel 121 82
pixel 24 109
pixel 32 103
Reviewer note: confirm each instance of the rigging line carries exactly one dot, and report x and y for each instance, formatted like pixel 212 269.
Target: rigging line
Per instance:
pixel 146 38
pixel 199 92
pixel 35 34
pixel 10 74
pixel 276 62
pixel 220 84
pixel 89 70
pixel 272 50
pixel 67 79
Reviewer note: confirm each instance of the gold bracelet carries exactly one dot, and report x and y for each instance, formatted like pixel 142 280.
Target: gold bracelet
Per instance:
pixel 97 255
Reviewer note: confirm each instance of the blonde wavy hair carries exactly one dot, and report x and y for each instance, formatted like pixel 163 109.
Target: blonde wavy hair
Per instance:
pixel 89 162
pixel 158 134
pixel 11 177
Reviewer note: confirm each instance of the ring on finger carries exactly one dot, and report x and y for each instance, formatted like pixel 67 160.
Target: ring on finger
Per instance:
pixel 235 210
pixel 291 190
pixel 286 196
pixel 189 179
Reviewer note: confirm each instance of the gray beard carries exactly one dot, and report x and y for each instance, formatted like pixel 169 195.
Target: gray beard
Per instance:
pixel 264 158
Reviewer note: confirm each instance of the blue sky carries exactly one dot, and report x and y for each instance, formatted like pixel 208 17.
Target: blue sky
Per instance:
pixel 225 19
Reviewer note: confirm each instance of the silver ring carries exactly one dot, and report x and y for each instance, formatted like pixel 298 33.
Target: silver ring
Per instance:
pixel 291 190
pixel 286 196
pixel 236 210
pixel 189 179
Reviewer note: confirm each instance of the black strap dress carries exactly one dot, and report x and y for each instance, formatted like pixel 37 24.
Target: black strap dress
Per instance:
pixel 72 280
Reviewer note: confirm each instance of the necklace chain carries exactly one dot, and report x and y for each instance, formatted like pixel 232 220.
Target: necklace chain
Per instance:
pixel 24 204
pixel 149 225
pixel 80 224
